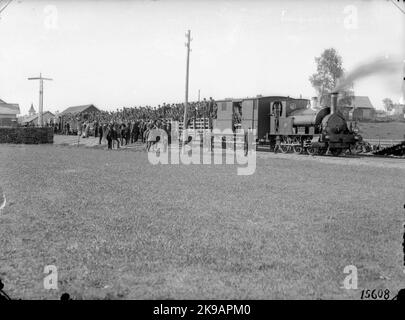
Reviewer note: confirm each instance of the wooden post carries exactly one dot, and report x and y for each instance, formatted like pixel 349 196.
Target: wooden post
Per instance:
pixel 188 34
pixel 41 97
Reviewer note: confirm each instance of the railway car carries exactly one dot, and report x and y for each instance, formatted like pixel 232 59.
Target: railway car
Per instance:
pixel 288 124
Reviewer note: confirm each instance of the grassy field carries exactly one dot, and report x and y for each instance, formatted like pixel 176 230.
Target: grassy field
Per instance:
pixel 117 227
pixel 382 130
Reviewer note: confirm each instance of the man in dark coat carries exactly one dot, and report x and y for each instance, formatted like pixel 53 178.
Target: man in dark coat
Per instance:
pixel 143 129
pixel 127 130
pixel 122 133
pixel 115 135
pixel 135 132
pixel 109 134
pixel 100 132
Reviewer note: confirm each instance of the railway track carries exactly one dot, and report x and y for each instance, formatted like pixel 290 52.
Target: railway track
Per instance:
pixel 370 148
pixel 382 153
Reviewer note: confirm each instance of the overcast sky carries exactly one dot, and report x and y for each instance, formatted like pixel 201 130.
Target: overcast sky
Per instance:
pixel 127 53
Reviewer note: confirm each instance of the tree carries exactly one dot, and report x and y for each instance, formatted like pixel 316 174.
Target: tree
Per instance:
pixel 388 104
pixel 329 69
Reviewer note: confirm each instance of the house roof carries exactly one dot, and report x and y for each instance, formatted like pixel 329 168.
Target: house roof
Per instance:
pixel 34 117
pixel 11 109
pixel 362 102
pixel 78 109
pixel 32 109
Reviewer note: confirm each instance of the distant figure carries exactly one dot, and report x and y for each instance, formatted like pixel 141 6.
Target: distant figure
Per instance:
pixel 135 132
pixel 108 133
pixel 100 132
pixel 114 135
pixel 122 132
pixel 127 134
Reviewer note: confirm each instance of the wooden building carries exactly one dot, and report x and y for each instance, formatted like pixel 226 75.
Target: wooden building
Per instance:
pixel 8 114
pixel 78 110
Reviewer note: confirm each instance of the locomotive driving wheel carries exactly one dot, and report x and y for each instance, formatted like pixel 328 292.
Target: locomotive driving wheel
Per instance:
pixel 285 145
pixel 312 151
pixel 297 147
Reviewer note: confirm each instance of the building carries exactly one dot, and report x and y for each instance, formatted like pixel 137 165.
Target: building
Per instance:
pixel 32 120
pixel 80 110
pixel 362 109
pixel 72 116
pixel 357 108
pixel 8 114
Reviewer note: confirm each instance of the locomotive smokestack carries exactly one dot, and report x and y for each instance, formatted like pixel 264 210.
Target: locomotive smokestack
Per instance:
pixel 333 105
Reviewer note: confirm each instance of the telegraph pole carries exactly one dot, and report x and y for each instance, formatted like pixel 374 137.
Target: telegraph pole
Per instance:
pixel 41 97
pixel 188 34
pixel 403 84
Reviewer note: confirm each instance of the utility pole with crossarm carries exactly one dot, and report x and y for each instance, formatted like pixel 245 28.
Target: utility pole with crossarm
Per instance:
pixel 188 34
pixel 41 97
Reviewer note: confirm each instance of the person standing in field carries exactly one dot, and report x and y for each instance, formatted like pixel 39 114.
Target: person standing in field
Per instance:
pixel 115 135
pixel 100 132
pixel 108 135
pixel 128 134
pixel 135 132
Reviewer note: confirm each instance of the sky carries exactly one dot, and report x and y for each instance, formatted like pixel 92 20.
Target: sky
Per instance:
pixel 117 54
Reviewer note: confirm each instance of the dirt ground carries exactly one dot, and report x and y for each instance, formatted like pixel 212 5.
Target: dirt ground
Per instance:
pixel 118 227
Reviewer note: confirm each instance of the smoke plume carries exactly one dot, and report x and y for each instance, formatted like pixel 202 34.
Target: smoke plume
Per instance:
pixel 377 66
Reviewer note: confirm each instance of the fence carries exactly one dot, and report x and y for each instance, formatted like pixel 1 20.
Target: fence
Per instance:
pixel 199 123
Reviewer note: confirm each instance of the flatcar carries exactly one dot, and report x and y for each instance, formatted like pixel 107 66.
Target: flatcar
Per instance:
pixel 288 124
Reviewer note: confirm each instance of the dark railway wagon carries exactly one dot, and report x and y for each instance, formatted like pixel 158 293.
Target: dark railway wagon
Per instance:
pixel 254 113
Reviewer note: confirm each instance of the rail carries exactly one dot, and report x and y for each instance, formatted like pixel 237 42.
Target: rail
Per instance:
pixel 383 142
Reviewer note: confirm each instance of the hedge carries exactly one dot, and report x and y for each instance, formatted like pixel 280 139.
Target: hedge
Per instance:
pixel 26 135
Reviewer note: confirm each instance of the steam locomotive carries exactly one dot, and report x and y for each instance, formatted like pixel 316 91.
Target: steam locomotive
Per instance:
pixel 288 124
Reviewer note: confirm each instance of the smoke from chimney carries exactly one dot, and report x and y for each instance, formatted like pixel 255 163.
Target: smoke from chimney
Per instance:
pixel 377 66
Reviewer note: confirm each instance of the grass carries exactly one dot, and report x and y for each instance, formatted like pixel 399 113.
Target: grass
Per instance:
pixel 382 130
pixel 117 227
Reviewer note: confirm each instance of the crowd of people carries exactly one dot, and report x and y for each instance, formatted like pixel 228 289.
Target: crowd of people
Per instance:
pixel 128 125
